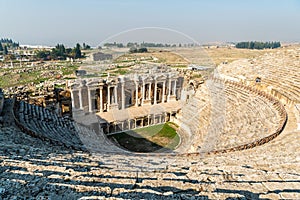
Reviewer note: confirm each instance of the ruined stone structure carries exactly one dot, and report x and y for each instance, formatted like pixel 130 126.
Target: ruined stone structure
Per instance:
pixel 194 127
pixel 237 141
pixel 150 86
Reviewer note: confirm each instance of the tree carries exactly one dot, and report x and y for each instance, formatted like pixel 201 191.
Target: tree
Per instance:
pixel 59 52
pixel 44 55
pixel 258 45
pixel 77 51
pixel 140 50
pixel 1 47
pixel 61 49
pixel 130 44
pixel 86 46
pixel 133 50
pixel 5 51
pixel 69 52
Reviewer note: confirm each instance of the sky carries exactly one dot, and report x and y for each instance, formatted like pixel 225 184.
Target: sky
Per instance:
pixel 41 22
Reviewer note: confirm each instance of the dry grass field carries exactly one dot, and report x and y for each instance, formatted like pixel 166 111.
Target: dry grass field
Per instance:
pixel 211 56
pixel 214 56
pixel 160 56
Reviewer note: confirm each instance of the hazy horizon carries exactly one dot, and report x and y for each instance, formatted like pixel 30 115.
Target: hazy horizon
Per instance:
pixel 34 22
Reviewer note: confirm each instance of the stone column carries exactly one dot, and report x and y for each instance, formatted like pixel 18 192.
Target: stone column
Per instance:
pixel 108 97
pixel 155 91
pixel 123 95
pixel 116 94
pixel 174 91
pixel 163 92
pixel 149 92
pixel 72 99
pixel 169 91
pixel 143 94
pixel 136 94
pixel 80 99
pixel 129 124
pixel 101 99
pixel 90 100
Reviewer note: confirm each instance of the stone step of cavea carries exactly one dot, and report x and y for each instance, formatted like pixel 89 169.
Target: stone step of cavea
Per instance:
pixel 281 71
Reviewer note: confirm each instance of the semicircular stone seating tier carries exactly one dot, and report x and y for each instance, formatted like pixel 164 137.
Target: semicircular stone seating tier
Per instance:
pixel 47 125
pixel 228 116
pixel 279 73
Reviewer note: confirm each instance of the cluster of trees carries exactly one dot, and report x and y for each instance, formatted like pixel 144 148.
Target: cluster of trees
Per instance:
pixel 149 44
pixel 3 49
pixel 114 44
pixel 60 53
pixel 138 50
pixel 86 46
pixel 9 43
pixel 5 44
pixel 137 45
pixel 258 45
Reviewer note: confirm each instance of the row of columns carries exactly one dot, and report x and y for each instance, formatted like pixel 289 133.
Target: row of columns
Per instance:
pixel 113 98
pixel 162 119
pixel 148 97
pixel 91 95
